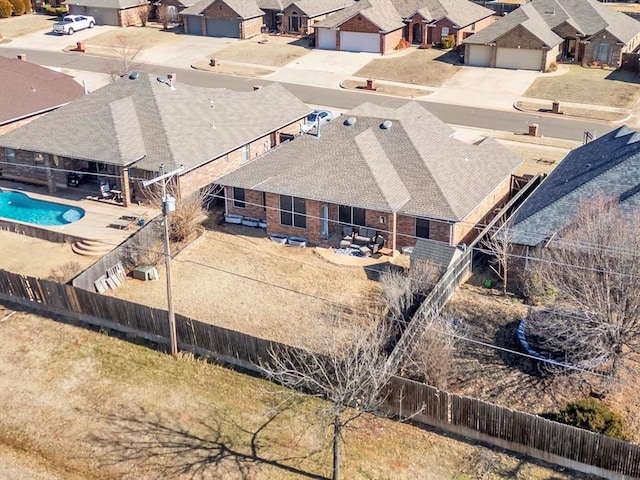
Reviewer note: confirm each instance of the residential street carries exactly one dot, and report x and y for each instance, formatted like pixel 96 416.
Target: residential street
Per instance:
pixel 453 114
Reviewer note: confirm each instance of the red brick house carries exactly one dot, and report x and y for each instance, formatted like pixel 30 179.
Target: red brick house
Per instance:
pixel 400 173
pixel 123 132
pixel 30 91
pixel 223 18
pixel 300 16
pixel 121 13
pixel 378 25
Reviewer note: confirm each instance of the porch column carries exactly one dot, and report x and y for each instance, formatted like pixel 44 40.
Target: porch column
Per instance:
pixel 393 231
pixel 125 188
pixel 424 34
pixel 410 33
pixel 51 182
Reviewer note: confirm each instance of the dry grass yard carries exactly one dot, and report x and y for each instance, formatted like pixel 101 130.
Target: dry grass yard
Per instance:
pixel 276 52
pixel 250 284
pixel 126 42
pixel 514 381
pixel 13 27
pixel 38 258
pixel 429 67
pixel 597 86
pixel 80 405
pixel 386 89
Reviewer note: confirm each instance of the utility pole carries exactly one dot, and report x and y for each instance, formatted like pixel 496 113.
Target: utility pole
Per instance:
pixel 168 206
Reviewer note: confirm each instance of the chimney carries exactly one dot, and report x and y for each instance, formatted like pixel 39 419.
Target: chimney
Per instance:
pixel 22 56
pixel 172 80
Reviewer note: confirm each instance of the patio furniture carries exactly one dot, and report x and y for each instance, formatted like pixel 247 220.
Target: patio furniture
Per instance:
pixel 345 243
pixel 364 236
pixel 250 222
pixel 278 238
pixel 233 218
pixel 298 242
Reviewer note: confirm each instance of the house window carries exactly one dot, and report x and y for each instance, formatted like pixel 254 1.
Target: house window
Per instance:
pixel 293 211
pixel 264 201
pixel 422 228
pixel 351 215
pixel 602 53
pixel 238 197
pixel 10 155
pixel 445 32
pixel 245 153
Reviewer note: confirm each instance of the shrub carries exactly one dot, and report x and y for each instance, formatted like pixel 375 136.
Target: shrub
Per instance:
pixel 592 415
pixel 17 6
pixel 447 42
pixel 535 290
pixel 553 67
pixel 27 5
pixel 5 9
pixel 402 44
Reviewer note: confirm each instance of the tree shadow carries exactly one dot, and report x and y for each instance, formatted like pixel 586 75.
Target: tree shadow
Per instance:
pixel 624 76
pixel 171 450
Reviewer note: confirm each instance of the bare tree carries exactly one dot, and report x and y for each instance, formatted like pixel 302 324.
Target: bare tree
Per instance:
pixel 164 16
pixel 123 53
pixel 499 242
pixel 144 15
pixel 350 373
pixel 594 266
pixel 401 289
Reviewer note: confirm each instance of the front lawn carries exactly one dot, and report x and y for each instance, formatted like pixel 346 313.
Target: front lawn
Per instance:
pixel 276 52
pixel 593 86
pixel 429 67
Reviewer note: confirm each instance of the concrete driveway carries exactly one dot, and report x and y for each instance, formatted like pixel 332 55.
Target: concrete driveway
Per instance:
pixel 48 41
pixel 323 68
pixel 480 87
pixel 184 50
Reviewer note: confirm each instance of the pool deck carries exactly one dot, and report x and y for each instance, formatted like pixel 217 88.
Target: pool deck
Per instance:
pixel 102 221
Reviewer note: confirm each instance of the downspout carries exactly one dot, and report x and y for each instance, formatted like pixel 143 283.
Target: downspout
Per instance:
pixel 394 230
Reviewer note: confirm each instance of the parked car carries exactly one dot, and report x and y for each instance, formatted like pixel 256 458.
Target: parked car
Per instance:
pixel 322 116
pixel 73 23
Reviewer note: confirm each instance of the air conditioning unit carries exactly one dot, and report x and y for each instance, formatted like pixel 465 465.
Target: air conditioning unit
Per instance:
pixel 383 219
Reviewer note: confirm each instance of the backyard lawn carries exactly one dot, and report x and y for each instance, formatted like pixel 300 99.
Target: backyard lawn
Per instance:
pixel 80 405
pixel 589 86
pixel 276 52
pixel 430 67
pixel 236 278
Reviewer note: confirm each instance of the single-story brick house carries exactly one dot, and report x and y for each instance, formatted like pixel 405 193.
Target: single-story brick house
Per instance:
pixel 120 13
pixel 30 91
pixel 301 15
pixel 172 9
pixel 378 25
pixel 273 12
pixel 542 32
pixel 124 131
pixel 608 166
pixel 401 173
pixel 223 18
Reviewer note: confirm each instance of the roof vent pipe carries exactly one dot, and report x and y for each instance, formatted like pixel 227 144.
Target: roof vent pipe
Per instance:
pixel 350 121
pixel 386 125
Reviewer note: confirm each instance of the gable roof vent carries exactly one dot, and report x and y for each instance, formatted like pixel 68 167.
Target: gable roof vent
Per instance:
pixel 386 125
pixel 350 121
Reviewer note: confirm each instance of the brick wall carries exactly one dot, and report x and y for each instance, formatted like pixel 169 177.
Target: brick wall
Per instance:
pixel 253 204
pixel 615 51
pixel 406 231
pixel 251 28
pixel 390 40
pixel 435 32
pixel 463 33
pixel 466 231
pixel 219 10
pixel 132 16
pixel 359 24
pixel 550 57
pixel 519 37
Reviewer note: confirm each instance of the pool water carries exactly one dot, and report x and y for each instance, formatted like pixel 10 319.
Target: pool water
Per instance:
pixel 21 207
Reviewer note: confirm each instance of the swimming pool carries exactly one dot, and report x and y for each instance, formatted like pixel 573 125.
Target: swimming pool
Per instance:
pixel 21 207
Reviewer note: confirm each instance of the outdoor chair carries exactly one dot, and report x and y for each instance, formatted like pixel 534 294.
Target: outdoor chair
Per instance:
pixel 364 236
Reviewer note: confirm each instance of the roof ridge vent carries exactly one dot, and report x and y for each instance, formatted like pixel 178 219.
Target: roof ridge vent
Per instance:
pixel 350 121
pixel 386 125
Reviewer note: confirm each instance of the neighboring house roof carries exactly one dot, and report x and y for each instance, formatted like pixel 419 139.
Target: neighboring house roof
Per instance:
pixel 608 166
pixel 414 167
pixel 315 8
pixel 588 17
pixel 28 89
pixel 118 4
pixel 439 253
pixel 143 121
pixel 526 17
pixel 244 8
pixel 381 13
pixel 460 12
pixel 272 5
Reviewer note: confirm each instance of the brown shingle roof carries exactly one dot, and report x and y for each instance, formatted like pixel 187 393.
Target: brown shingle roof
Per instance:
pixel 27 89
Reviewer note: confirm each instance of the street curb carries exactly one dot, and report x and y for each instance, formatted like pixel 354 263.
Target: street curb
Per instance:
pixel 556 115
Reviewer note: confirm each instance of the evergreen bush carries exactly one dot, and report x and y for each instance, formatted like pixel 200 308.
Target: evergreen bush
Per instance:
pixel 5 9
pixel 592 415
pixel 17 7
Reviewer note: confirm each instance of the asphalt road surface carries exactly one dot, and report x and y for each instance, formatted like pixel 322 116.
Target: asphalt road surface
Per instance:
pixel 549 126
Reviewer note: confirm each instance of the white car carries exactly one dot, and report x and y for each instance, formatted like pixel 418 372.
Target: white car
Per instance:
pixel 73 23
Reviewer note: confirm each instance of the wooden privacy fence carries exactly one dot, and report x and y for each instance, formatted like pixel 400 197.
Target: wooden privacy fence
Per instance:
pixel 520 432
pixel 631 62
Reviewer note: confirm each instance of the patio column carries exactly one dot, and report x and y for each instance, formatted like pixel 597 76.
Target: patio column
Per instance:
pixel 51 182
pixel 126 190
pixel 393 231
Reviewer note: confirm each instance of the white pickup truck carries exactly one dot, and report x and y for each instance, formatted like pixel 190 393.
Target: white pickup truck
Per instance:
pixel 73 23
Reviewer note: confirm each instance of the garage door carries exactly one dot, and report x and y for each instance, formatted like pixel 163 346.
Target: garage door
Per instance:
pixel 479 55
pixel 360 42
pixel 519 58
pixel 326 38
pixel 194 24
pixel 223 28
